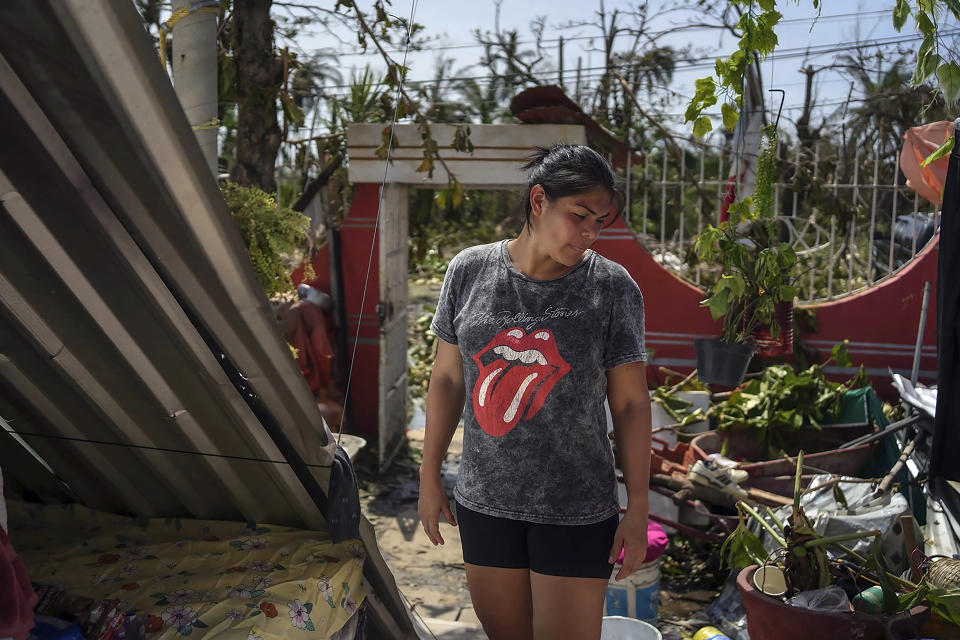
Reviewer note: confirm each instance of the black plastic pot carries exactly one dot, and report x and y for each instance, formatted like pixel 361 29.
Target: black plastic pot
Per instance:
pixel 723 363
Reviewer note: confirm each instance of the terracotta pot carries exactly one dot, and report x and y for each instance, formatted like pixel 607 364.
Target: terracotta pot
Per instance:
pixel 772 619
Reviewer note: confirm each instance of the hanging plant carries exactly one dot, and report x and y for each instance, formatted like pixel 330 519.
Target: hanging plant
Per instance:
pixel 758 270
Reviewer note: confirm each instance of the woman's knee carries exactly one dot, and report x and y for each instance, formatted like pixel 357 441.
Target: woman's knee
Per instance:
pixel 502 601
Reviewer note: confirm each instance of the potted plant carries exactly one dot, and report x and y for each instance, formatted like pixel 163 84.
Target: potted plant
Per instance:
pixel 801 556
pixel 757 276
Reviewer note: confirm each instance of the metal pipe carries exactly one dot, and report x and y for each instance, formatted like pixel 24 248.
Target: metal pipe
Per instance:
pixel 663 208
pixel 893 212
pixel 915 371
pixel 873 212
pixel 683 199
pixel 700 208
pixel 646 192
pixel 629 178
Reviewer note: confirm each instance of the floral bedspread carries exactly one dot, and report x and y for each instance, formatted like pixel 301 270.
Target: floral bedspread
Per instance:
pixel 195 577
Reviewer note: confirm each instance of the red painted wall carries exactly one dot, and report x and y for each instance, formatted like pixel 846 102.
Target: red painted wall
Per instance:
pixel 881 322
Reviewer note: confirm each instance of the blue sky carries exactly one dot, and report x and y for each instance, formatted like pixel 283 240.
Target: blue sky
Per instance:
pixel 450 23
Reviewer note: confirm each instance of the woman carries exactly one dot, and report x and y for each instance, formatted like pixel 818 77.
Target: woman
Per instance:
pixel 535 333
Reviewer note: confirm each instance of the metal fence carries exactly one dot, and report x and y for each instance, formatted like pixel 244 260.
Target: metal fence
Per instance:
pixel 849 233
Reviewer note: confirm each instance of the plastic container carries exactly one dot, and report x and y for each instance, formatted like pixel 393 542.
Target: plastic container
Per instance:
pixel 870 600
pixel 638 596
pixel 770 580
pixel 620 628
pixel 710 633
pixel 723 363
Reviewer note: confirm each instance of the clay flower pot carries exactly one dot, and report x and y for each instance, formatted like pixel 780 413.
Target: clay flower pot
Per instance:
pixel 772 619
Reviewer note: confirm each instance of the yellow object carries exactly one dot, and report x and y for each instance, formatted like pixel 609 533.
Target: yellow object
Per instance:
pixel 212 123
pixel 195 577
pixel 710 633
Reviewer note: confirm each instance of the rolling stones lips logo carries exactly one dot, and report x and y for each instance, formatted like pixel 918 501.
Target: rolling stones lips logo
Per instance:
pixel 517 372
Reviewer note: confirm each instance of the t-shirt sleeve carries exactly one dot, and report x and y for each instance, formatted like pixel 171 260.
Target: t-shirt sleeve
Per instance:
pixel 626 336
pixel 442 325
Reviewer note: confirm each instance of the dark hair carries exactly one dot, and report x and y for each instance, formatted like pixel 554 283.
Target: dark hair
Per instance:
pixel 566 170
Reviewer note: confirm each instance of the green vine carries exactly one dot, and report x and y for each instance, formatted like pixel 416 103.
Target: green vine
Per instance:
pixel 271 234
pixel 758 39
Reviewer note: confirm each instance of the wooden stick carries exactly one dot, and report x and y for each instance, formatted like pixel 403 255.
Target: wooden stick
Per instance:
pixel 690 377
pixel 902 460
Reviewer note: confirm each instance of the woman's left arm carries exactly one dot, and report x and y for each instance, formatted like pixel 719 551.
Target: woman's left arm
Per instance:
pixel 630 407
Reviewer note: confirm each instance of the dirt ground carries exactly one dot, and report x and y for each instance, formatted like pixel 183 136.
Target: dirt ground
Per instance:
pixel 433 580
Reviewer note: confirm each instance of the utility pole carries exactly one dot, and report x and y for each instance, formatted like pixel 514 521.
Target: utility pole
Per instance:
pixel 579 70
pixel 560 55
pixel 195 70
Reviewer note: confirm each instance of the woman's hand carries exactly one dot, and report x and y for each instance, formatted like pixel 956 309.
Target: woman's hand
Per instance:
pixel 433 501
pixel 631 537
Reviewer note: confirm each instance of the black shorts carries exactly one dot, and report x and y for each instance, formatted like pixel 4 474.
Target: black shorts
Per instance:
pixel 573 551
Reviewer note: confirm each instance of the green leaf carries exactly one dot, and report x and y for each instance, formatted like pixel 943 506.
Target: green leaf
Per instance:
pixel 735 284
pixel 930 64
pixel 742 547
pixel 924 23
pixel 941 151
pixel 767 5
pixel 946 604
pixel 840 355
pixel 900 14
pixel 949 76
pixel 702 126
pixel 788 293
pixel 730 116
pixel 925 50
pixel 719 304
pixel 705 86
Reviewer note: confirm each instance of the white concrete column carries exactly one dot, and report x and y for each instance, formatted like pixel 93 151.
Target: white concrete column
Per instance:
pixel 195 71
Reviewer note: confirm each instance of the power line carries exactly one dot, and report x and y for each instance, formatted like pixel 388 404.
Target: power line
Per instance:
pixel 449 47
pixel 705 62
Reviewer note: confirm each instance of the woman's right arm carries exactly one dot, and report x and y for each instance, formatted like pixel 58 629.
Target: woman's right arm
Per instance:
pixel 445 399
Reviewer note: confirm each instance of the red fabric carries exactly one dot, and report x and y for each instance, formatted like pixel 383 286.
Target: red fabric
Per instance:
pixel 17 598
pixel 307 329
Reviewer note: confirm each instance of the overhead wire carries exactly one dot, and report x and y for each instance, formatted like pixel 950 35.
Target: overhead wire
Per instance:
pixel 550 41
pixel 702 62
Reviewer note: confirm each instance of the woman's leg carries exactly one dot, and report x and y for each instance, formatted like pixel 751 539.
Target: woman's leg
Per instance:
pixel 567 608
pixel 501 600
pixel 498 573
pixel 569 573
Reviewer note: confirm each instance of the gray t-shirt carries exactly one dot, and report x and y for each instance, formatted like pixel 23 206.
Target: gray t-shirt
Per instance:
pixel 535 356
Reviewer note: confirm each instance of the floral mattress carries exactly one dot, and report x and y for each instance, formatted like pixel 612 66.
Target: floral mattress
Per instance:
pixel 192 577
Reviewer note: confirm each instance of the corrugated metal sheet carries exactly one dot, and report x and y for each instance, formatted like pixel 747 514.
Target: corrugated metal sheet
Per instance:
pixel 119 265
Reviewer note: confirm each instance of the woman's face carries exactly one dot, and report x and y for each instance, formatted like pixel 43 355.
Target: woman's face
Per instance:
pixel 564 228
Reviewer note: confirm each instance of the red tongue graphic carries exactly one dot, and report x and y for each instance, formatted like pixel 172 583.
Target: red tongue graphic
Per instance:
pixel 509 394
pixel 508 389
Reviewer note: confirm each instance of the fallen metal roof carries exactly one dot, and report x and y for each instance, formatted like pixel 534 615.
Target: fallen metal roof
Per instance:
pixel 126 295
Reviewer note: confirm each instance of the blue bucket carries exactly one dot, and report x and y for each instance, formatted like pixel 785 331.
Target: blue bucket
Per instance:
pixel 638 596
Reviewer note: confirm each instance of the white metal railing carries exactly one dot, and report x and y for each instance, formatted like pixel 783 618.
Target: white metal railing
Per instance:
pixel 667 211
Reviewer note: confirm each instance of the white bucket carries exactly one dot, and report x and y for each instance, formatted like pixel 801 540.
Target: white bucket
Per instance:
pixel 618 628
pixel 636 597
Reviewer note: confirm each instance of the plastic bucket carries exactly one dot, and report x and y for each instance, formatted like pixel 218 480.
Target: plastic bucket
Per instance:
pixel 723 363
pixel 638 596
pixel 618 628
